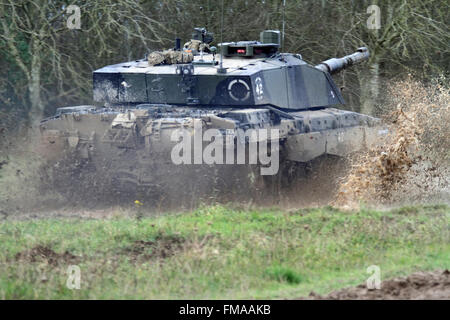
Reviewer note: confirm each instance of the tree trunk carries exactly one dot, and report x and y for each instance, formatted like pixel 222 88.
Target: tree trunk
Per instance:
pixel 371 87
pixel 371 82
pixel 34 85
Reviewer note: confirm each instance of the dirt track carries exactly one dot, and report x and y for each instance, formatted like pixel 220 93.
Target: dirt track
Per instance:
pixel 433 285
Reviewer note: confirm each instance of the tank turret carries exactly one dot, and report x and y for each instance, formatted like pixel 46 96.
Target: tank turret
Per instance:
pixel 253 74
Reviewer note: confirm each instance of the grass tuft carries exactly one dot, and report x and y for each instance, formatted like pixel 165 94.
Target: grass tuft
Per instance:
pixel 283 274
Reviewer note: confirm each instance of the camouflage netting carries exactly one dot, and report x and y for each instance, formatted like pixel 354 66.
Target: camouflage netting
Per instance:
pixel 169 57
pixel 196 45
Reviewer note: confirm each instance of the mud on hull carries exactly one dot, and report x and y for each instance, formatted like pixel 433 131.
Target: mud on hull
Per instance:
pixel 122 156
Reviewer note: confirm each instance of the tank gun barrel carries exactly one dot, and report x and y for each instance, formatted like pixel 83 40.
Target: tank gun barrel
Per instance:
pixel 335 65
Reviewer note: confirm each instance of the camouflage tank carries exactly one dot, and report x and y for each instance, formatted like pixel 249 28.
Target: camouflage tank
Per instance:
pixel 125 147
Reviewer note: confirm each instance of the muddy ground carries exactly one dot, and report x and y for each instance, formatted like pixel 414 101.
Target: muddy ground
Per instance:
pixel 432 285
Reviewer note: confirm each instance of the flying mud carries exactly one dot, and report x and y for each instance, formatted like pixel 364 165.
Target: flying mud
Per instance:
pixel 30 183
pixel 413 164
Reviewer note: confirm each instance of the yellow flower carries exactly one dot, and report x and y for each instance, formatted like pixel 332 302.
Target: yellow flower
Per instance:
pixel 138 203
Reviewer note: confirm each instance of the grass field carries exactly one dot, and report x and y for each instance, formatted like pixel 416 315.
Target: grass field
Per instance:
pixel 218 252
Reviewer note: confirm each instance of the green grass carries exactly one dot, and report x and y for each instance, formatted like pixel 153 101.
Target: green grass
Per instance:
pixel 217 252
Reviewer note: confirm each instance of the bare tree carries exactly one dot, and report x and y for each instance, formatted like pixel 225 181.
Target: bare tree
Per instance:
pixel 54 59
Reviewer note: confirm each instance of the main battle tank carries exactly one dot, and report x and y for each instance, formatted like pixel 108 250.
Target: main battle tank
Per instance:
pixel 129 146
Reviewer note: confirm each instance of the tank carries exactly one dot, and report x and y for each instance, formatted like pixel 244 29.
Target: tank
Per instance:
pixel 202 122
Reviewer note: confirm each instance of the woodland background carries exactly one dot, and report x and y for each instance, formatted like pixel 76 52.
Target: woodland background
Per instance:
pixel 45 65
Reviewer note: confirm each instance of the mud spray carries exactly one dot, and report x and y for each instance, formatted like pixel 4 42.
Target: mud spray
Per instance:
pixel 22 180
pixel 413 164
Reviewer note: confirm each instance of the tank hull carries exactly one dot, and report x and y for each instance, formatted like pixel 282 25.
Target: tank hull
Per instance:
pixel 135 153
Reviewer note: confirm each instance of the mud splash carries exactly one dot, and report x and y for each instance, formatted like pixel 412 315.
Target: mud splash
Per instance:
pixel 413 164
pixel 22 183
